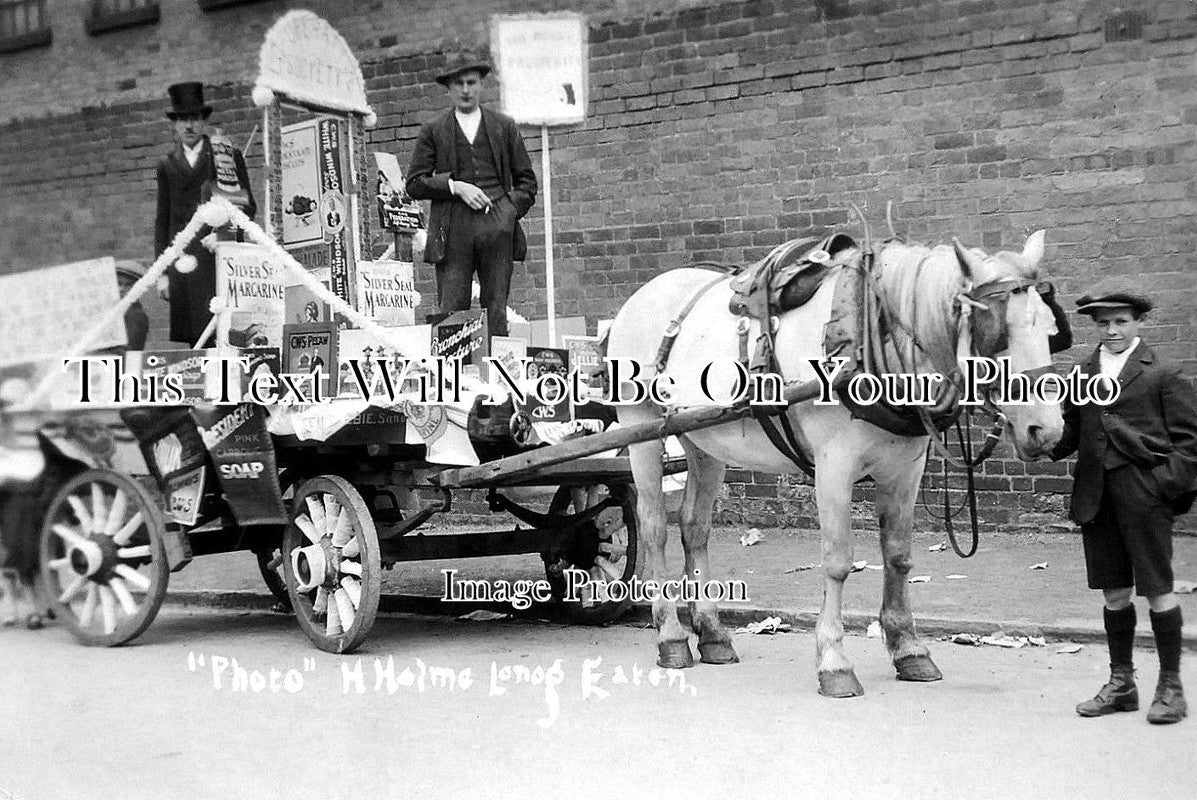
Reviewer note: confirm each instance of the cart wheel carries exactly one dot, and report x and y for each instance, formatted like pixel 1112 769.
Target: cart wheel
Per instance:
pixel 605 549
pixel 103 557
pixel 332 567
pixel 270 564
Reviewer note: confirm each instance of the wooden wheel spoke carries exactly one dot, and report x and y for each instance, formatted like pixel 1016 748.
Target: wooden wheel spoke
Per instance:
pixel 344 606
pixel 332 624
pixel 140 551
pixel 72 589
pixel 127 530
pixel 108 609
pixel 89 604
pixel 354 589
pixel 343 531
pixel 613 572
pixel 304 524
pixel 137 581
pixel 332 509
pixel 116 514
pixel 123 596
pixel 352 548
pixel 320 605
pixel 348 567
pixel 60 563
pixel 99 514
pixel 81 512
pixel 68 535
pixel 315 513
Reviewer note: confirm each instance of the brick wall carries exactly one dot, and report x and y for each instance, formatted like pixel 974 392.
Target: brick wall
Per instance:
pixel 715 132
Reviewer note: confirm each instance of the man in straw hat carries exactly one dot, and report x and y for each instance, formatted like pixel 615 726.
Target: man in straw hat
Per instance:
pixel 1136 468
pixel 187 177
pixel 472 164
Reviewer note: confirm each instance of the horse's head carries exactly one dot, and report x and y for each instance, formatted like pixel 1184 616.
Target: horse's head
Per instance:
pixel 1010 320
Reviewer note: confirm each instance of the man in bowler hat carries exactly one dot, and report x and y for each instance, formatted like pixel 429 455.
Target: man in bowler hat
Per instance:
pixel 472 164
pixel 1136 468
pixel 186 177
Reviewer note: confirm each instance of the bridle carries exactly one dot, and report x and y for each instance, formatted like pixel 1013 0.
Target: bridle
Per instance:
pixel 991 299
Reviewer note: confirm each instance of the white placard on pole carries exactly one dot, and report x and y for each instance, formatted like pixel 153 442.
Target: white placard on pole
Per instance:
pixel 544 74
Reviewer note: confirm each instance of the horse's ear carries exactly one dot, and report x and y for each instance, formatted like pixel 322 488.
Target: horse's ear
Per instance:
pixel 1032 251
pixel 969 265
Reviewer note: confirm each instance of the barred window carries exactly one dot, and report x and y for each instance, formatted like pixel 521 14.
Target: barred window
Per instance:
pixel 23 24
pixel 110 15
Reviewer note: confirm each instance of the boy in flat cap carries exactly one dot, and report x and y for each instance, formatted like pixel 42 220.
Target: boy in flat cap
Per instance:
pixel 472 164
pixel 1136 468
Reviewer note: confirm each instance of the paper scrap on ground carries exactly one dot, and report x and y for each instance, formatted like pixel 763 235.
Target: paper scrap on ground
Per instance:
pixel 874 631
pixel 1000 639
pixel 857 566
pixel 935 548
pixel 482 615
pixel 955 577
pixel 800 568
pixel 920 579
pixel 1184 587
pixel 874 566
pixel 769 625
pixel 751 537
pixel 1068 649
pixel 1040 565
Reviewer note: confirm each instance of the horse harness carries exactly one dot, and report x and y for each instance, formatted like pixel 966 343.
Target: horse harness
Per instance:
pixel 778 284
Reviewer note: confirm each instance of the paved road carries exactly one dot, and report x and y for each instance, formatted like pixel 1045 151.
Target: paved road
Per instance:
pixel 136 722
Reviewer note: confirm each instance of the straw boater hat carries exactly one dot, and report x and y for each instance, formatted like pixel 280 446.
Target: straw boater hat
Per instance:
pixel 187 98
pixel 1115 292
pixel 459 63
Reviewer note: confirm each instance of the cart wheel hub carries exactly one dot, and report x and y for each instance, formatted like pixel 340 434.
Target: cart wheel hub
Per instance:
pixel 87 558
pixel 312 567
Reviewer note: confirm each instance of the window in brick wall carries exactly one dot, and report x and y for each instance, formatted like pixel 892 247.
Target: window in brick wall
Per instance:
pixel 212 5
pixel 111 15
pixel 23 24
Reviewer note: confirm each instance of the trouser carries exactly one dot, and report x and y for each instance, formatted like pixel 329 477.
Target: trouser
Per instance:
pixel 478 242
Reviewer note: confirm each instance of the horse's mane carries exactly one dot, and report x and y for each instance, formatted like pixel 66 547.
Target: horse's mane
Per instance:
pixel 919 285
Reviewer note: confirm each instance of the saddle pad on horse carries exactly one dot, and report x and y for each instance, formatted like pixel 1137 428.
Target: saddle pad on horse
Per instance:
pixel 787 279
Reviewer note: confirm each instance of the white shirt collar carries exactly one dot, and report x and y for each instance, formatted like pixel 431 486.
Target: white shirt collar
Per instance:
pixel 1112 363
pixel 469 122
pixel 193 153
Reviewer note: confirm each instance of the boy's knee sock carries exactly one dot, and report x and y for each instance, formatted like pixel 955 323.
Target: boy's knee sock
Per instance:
pixel 1120 635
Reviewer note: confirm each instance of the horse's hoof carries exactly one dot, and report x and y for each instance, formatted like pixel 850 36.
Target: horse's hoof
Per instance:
pixel 917 667
pixel 717 653
pixel 839 683
pixel 34 622
pixel 674 654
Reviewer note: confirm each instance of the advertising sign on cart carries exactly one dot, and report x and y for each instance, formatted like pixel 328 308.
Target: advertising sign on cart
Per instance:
pixel 301 185
pixel 386 292
pixel 254 290
pixel 48 310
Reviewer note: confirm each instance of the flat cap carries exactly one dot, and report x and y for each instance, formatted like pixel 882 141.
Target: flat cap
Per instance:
pixel 1115 292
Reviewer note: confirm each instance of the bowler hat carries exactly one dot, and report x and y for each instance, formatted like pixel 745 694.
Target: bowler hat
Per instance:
pixel 459 63
pixel 187 98
pixel 1115 292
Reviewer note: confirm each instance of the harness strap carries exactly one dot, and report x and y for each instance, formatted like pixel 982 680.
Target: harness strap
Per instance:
pixel 675 326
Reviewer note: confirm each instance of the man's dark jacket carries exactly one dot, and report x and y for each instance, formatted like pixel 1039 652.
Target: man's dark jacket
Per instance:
pixel 181 190
pixel 433 164
pixel 1152 424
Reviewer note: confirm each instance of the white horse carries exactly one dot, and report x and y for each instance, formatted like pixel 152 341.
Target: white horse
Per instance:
pixel 924 290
